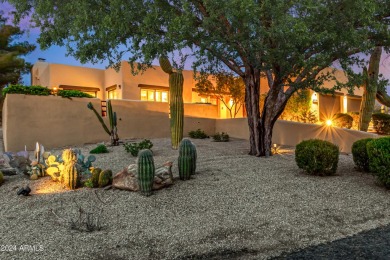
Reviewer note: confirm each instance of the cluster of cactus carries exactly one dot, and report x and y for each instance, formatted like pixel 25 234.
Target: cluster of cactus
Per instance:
pixel 99 178
pixel 146 171
pixel 38 166
pixel 187 159
pixel 113 131
pixel 176 105
pixel 84 164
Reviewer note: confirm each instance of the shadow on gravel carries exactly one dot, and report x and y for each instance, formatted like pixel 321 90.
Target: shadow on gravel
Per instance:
pixel 221 254
pixel 372 244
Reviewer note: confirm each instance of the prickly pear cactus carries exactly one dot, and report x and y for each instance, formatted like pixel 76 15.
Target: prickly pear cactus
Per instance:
pixel 105 178
pixel 187 159
pixel 146 171
pixel 69 174
pixel 176 105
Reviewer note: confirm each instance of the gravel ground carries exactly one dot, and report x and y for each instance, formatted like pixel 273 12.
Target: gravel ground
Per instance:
pixel 235 207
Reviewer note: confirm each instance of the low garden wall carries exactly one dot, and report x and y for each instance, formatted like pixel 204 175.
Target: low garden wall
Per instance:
pixel 57 122
pixel 292 133
pixel 60 122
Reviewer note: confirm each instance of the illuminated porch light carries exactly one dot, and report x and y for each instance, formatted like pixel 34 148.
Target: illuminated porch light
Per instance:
pixel 314 97
pixel 329 122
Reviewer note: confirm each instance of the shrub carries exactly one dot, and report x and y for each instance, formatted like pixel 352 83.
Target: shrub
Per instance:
pixel 355 117
pixel 27 90
pixel 378 151
pixel 221 137
pixel 359 153
pixel 342 120
pixel 381 123
pixel 198 134
pixel 101 148
pixel 73 93
pixel 134 148
pixel 317 157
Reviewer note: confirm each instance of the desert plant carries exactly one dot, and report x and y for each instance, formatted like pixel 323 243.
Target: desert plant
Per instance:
pixel 95 177
pixel 381 123
pixel 176 105
pixel 146 171
pixel 342 120
pixel 1 177
pixel 134 148
pixel 101 148
pixel 72 93
pixel 113 131
pixel 187 159
pixel 69 174
pixel 355 117
pixel 221 137
pixel 197 134
pixel 378 151
pixel 84 164
pixel 317 157
pixel 308 116
pixel 105 178
pixel 359 153
pixel 27 90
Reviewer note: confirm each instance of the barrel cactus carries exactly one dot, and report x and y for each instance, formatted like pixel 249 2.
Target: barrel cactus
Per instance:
pixel 176 105
pixel 105 178
pixel 95 177
pixel 187 159
pixel 69 174
pixel 146 171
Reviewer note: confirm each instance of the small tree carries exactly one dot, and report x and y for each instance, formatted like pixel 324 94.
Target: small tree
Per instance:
pixel 221 86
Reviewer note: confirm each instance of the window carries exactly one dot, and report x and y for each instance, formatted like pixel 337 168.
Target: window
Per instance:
pixel 154 95
pixel 112 94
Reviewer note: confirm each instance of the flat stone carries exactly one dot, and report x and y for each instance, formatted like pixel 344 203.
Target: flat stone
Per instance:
pixel 8 171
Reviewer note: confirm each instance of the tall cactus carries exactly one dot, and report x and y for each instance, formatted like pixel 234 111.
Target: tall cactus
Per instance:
pixel 187 159
pixel 69 174
pixel 146 171
pixel 113 131
pixel 176 105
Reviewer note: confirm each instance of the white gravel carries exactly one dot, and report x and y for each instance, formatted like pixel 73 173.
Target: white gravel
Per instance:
pixel 236 207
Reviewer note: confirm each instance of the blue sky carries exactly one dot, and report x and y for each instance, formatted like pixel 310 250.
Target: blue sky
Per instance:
pixel 57 54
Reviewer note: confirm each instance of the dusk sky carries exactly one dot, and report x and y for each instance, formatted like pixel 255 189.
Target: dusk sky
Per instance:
pixel 57 54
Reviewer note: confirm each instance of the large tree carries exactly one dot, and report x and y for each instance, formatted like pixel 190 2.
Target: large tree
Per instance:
pixel 229 90
pixel 287 41
pixel 12 65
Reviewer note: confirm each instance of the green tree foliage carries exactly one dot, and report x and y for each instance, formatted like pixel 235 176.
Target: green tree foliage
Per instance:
pixel 12 66
pixel 288 42
pixel 225 87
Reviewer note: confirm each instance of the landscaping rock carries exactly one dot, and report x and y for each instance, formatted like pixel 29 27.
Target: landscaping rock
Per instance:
pixel 127 178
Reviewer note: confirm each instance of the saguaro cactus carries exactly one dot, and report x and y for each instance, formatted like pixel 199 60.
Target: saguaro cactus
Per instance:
pixel 69 173
pixel 113 131
pixel 176 106
pixel 187 159
pixel 146 171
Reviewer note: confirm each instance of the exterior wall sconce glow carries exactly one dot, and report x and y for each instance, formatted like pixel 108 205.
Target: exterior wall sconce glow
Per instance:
pixel 55 90
pixel 275 149
pixel 329 122
pixel 231 102
pixel 314 97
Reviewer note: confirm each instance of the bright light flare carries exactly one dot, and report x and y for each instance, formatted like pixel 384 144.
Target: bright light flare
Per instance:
pixel 329 122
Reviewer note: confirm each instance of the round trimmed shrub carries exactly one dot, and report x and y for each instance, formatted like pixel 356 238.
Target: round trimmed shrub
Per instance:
pixel 317 157
pixel 381 123
pixel 378 151
pixel 359 153
pixel 343 120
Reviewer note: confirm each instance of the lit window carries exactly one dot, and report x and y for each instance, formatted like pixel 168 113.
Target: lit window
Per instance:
pixel 150 95
pixel 112 94
pixel 203 100
pixel 154 95
pixel 158 96
pixel 144 95
pixel 164 96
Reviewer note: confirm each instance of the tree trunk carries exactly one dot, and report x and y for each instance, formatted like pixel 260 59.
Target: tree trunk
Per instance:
pixel 370 89
pixel 252 98
pixel 260 128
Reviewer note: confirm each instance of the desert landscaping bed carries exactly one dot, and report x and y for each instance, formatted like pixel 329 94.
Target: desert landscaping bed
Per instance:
pixel 236 206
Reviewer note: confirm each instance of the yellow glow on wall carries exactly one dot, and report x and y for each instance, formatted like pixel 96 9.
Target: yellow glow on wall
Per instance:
pixel 345 104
